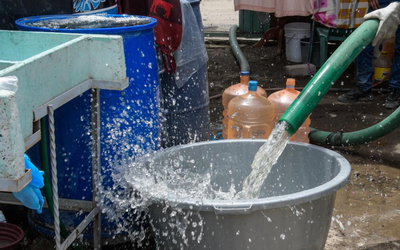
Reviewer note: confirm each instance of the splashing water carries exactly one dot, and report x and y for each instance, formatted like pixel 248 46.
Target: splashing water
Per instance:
pixel 265 158
pixel 166 181
pixel 140 184
pixel 89 22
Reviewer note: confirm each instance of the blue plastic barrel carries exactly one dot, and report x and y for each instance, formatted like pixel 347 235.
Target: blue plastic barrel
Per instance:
pixel 130 123
pixel 186 108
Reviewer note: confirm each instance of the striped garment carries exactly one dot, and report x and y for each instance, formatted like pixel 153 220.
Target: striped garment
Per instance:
pixel 340 13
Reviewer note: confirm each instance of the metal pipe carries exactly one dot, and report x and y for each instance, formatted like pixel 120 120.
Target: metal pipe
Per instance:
pixel 95 121
pixel 79 229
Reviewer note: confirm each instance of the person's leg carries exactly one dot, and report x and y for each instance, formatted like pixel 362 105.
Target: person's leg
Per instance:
pixel 364 71
pixel 365 68
pixel 393 99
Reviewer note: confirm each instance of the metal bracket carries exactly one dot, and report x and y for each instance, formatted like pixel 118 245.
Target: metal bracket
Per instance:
pixel 78 90
pixel 16 185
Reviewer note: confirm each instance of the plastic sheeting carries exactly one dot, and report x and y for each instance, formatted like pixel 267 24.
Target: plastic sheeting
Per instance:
pixel 191 54
pixel 31 196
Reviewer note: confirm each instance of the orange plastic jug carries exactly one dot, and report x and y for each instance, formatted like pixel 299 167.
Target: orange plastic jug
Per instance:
pixel 250 115
pixel 234 91
pixel 282 100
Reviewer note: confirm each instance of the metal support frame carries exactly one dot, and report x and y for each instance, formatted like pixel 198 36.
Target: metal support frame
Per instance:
pixel 94 214
pixel 95 118
pixel 54 179
pixel 64 204
pixel 77 205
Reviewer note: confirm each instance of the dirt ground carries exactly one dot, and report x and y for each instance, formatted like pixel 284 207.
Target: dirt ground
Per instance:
pixel 367 210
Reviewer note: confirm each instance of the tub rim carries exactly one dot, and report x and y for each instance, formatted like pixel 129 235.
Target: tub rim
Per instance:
pixel 248 206
pixel 21 24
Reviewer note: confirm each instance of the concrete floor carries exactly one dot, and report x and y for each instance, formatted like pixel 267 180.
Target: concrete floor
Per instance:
pixel 218 15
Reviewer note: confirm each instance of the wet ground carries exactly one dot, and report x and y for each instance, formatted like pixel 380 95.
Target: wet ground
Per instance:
pixel 367 210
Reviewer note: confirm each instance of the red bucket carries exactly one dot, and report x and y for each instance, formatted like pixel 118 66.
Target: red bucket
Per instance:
pixel 10 236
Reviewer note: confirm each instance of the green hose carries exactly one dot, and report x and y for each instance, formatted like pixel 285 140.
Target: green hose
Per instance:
pixel 358 137
pixel 319 85
pixel 244 64
pixel 47 183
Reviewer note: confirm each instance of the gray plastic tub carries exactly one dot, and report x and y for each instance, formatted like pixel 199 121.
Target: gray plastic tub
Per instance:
pixel 294 211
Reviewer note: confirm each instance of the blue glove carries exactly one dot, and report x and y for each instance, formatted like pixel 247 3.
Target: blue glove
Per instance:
pixel 31 196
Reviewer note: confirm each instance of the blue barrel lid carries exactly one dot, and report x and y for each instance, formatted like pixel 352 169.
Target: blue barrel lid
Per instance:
pixel 253 85
pixel 23 24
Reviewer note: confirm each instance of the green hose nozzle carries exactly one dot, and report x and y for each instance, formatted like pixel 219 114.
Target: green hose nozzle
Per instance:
pixel 323 80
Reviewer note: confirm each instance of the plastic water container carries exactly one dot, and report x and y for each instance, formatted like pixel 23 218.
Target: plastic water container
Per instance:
pixel 296 214
pixel 10 236
pixel 134 111
pixel 250 115
pixel 282 100
pixel 294 32
pixel 315 57
pixel 186 108
pixel 385 45
pixel 382 67
pixel 233 91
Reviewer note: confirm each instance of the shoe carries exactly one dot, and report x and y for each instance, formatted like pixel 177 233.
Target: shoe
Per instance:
pixel 392 100
pixel 356 95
